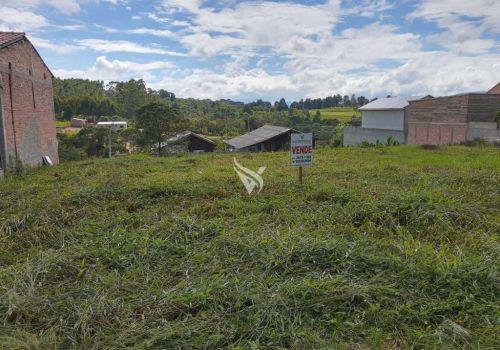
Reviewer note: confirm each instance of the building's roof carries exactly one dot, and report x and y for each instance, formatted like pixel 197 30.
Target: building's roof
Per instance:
pixel 9 38
pixel 182 136
pixel 388 103
pixel 495 90
pixel 112 123
pixel 257 136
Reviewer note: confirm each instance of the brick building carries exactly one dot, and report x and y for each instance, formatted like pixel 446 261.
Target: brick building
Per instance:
pixel 27 127
pixel 454 119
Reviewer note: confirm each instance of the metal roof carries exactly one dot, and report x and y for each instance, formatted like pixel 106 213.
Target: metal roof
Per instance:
pixel 112 123
pixel 181 136
pixel 389 103
pixel 257 136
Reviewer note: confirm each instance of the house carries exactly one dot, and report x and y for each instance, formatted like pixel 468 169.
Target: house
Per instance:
pixel 114 126
pixel 186 141
pixel 380 120
pixel 429 120
pixel 27 123
pixel 267 138
pixel 454 119
pixel 79 122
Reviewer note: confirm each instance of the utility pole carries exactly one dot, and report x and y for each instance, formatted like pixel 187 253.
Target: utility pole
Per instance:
pixel 109 139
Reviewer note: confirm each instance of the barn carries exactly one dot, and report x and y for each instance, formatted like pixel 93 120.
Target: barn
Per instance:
pixel 27 124
pixel 268 138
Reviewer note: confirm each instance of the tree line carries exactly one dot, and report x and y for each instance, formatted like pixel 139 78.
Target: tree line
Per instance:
pixel 134 101
pixel 74 97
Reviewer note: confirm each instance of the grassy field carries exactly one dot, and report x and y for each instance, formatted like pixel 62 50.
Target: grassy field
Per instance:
pixel 380 248
pixel 343 114
pixel 63 123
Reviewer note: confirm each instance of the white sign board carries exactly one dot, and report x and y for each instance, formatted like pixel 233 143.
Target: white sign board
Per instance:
pixel 302 149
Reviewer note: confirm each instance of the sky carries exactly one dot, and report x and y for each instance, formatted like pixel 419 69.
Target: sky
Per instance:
pixel 246 50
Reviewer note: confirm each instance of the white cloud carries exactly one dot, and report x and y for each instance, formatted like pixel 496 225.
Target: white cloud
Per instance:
pixel 299 48
pixel 251 25
pixel 107 46
pixel 20 20
pixel 162 33
pixel 464 23
pixel 448 11
pixel 107 70
pixel 65 6
pixel 60 48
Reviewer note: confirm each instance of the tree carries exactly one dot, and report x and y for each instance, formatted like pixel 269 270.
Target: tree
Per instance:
pixel 317 117
pixel 346 101
pixel 157 120
pixel 281 105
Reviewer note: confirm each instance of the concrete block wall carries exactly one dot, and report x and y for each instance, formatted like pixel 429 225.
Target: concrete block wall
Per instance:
pixel 28 113
pixel 355 136
pixel 485 131
pixel 483 107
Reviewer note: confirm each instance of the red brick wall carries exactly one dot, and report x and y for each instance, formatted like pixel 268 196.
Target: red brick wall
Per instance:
pixel 29 120
pixel 438 121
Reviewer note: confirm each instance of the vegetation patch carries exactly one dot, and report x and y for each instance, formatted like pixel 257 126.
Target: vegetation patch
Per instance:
pixel 380 248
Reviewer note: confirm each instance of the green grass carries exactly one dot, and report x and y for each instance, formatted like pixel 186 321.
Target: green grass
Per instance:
pixel 63 123
pixel 343 114
pixel 381 248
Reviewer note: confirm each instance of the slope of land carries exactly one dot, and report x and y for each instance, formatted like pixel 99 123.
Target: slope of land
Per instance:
pixel 380 248
pixel 342 114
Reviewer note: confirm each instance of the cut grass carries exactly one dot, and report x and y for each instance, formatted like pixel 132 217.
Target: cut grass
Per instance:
pixel 343 114
pixel 380 248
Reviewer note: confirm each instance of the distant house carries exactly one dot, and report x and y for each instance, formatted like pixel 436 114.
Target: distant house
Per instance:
pixel 454 119
pixel 429 120
pixel 78 122
pixel 267 138
pixel 27 123
pixel 380 119
pixel 115 126
pixel 186 141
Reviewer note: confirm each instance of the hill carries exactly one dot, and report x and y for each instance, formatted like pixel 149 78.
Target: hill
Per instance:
pixel 380 248
pixel 343 114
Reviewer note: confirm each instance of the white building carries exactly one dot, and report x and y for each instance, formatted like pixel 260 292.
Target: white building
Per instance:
pixel 380 120
pixel 385 113
pixel 115 126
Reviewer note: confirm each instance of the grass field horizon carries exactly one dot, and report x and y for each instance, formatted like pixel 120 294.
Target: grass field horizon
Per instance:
pixel 380 248
pixel 342 114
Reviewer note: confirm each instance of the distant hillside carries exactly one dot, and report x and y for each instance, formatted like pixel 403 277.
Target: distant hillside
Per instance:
pixel 342 114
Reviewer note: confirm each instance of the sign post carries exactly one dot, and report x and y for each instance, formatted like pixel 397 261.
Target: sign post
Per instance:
pixel 301 152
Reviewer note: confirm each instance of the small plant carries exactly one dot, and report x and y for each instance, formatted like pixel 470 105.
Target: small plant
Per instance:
pixel 391 141
pixel 496 119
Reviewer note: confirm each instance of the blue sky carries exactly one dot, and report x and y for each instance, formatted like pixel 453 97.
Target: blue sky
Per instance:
pixel 245 50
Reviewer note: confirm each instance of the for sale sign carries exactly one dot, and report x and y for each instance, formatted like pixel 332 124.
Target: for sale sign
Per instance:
pixel 302 149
